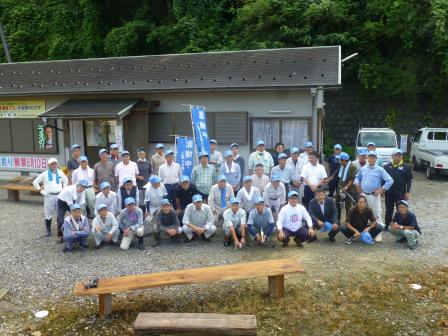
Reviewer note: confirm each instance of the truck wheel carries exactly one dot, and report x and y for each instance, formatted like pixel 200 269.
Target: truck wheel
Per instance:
pixel 415 165
pixel 429 173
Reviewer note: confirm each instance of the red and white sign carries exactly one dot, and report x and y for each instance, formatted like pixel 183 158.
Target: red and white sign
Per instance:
pixel 21 162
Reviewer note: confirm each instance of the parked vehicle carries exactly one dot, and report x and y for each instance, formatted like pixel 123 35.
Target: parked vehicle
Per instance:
pixel 385 141
pixel 429 151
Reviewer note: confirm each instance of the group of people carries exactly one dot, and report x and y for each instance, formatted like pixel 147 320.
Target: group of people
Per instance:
pixel 119 199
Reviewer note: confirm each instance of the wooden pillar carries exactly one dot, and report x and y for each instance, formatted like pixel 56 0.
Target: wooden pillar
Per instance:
pixel 105 304
pixel 276 285
pixel 13 195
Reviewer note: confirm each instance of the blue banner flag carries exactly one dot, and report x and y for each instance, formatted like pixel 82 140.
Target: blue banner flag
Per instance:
pixel 185 153
pixel 200 128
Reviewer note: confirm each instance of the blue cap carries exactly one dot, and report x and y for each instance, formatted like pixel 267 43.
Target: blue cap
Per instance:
pixel 169 152
pixel 203 153
pixel 247 178
pixel 197 198
pixel 234 145
pixel 259 199
pixel 213 141
pixel 141 149
pixel 125 152
pixel 75 146
pixel 366 238
pixel 103 150
pixel 222 178
pixel 260 143
pixel 159 145
pixel 362 151
pixel 275 178
pixel 83 183
pixel 184 178
pixel 234 200
pixel 337 146
pixel 308 144
pixel 129 200
pixel 293 193
pixel 326 227
pixel 403 202
pixel 344 156
pixel 155 179
pixel 113 146
pixel 227 153
pixel 83 158
pixel 397 151
pixel 75 206
pixel 294 150
pixel 165 201
pixel 371 153
pixel 101 206
pixel 370 144
pixel 127 179
pixel 104 185
pixel 282 156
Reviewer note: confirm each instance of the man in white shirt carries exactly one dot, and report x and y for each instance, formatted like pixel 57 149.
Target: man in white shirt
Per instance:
pixel 295 164
pixel 86 173
pixel 274 194
pixel 248 194
pixel 308 149
pixel 170 173
pixel 234 224
pixel 155 193
pixel 260 156
pixel 157 159
pixel 215 156
pixel 259 179
pixel 104 226
pixel 126 168
pixel 219 196
pixel 108 197
pixel 198 220
pixel 289 222
pixel 52 180
pixel 314 176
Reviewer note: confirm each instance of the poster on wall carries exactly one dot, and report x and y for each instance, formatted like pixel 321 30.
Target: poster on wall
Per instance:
pixel 28 109
pixel 21 162
pixel 45 137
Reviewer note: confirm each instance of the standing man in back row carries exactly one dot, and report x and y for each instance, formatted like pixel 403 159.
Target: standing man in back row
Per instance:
pixel 74 162
pixel 314 175
pixel 235 148
pixel 170 174
pixel 157 159
pixel 260 156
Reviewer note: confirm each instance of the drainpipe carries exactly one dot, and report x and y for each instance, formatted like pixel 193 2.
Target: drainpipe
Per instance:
pixel 314 135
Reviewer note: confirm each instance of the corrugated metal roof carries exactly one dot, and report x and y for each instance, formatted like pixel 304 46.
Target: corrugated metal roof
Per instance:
pixel 250 69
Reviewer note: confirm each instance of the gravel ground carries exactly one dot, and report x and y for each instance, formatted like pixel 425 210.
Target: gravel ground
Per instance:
pixel 35 270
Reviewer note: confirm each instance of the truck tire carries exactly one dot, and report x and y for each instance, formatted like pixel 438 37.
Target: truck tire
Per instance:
pixel 415 165
pixel 429 172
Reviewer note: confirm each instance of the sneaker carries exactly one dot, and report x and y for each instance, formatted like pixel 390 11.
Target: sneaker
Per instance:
pixel 401 240
pixel 298 243
pixel 413 247
pixel 66 249
pixel 83 247
pixel 332 239
pixel 226 242
pixel 379 238
pixel 310 240
pixel 349 240
pixel 205 239
pixel 60 240
pixel 98 246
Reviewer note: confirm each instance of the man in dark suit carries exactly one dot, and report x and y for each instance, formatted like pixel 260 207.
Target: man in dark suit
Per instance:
pixel 323 209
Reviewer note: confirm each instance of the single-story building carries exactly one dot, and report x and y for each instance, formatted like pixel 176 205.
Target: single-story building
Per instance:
pixel 274 95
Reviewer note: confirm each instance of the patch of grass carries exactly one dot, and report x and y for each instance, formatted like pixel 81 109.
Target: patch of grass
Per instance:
pixel 371 304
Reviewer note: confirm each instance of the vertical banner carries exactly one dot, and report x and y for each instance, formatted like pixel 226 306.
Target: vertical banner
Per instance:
pixel 119 137
pixel 200 128
pixel 404 142
pixel 184 154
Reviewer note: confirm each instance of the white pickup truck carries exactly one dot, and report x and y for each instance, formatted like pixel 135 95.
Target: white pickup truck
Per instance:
pixel 429 151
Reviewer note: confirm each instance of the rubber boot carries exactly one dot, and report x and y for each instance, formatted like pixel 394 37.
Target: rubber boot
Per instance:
pixel 48 227
pixel 157 239
pixel 140 244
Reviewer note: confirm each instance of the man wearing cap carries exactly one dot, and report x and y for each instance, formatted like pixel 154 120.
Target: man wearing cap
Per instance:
pixel 86 173
pixel 275 194
pixel 404 226
pixel 126 168
pixel 237 158
pixel 371 147
pixel 323 209
pixel 314 175
pixel 361 160
pixel 401 189
pixel 198 220
pixel 52 180
pixel 74 162
pixel 170 173
pixel 234 224
pixel 282 171
pixel 215 156
pixel 130 222
pixel 308 149
pixel 231 170
pixel 158 159
pixel 219 196
pixel 346 189
pixel 334 164
pixel 279 149
pixel 144 172
pixel 104 170
pixel 247 194
pixel 289 222
pixel 104 226
pixel 372 181
pixel 166 222
pixel 155 192
pixel 203 175
pixel 260 156
pixel 295 165
pixel 127 189
pixel 76 229
pixel 183 194
pixel 259 179
pixel 114 155
pixel 108 197
pixel 70 195
pixel 260 224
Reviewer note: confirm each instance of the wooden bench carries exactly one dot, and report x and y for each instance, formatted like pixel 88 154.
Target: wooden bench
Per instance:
pixel 187 323
pixel 273 269
pixel 13 190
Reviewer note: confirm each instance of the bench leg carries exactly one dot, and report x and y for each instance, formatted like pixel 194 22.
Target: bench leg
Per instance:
pixel 276 286
pixel 13 195
pixel 105 304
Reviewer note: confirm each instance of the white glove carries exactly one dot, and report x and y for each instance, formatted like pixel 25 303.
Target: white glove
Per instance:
pixel 43 192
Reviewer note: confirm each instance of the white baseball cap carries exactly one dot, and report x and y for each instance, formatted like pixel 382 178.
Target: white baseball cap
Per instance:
pixel 52 160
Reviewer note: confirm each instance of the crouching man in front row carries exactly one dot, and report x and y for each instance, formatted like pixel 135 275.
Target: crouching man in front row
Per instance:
pixel 404 226
pixel 130 222
pixel 198 220
pixel 104 226
pixel 166 222
pixel 234 224
pixel 76 229
pixel 261 224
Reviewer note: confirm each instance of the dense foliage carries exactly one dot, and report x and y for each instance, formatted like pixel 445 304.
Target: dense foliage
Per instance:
pixel 402 44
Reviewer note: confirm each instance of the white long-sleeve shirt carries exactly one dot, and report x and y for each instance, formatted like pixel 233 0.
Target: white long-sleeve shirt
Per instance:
pixel 111 201
pixel 50 187
pixel 274 196
pixel 155 196
pixel 291 217
pixel 80 174
pixel 70 195
pixel 124 170
pixel 170 174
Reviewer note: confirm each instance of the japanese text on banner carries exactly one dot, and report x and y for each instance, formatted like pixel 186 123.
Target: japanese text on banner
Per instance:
pixel 200 128
pixel 184 154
